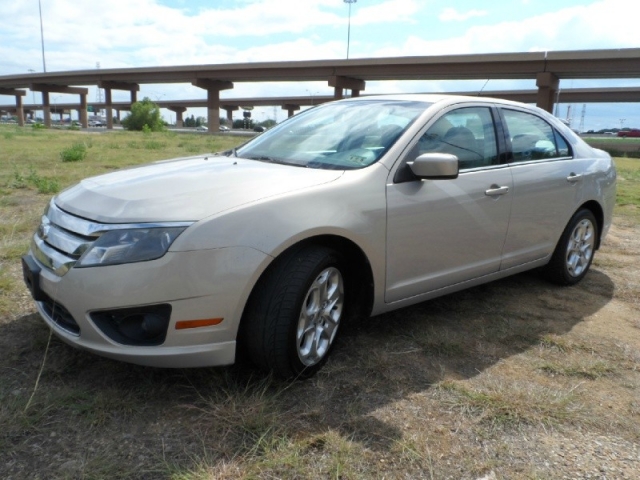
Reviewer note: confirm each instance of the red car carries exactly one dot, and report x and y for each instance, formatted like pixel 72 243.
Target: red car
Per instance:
pixel 629 133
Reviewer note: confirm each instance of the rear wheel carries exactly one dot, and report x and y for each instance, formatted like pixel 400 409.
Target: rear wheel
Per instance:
pixel 574 253
pixel 294 314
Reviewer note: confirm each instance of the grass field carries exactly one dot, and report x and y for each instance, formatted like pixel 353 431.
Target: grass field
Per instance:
pixel 514 379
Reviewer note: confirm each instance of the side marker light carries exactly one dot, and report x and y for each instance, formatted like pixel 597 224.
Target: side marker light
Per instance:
pixel 207 322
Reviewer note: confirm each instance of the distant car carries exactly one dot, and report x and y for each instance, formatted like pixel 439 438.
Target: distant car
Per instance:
pixel 629 133
pixel 359 206
pixel 224 128
pixel 202 128
pixel 259 128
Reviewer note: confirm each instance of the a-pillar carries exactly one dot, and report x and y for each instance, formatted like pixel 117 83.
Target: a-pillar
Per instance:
pixel 547 84
pixel 339 83
pixel 213 88
pixel 291 109
pixel 178 111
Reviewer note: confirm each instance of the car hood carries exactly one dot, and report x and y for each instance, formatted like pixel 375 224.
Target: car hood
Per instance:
pixel 184 189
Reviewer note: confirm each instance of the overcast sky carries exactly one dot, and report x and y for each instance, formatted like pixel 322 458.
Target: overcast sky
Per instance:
pixel 123 33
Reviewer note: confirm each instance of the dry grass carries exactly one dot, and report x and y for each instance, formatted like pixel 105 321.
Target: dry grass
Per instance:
pixel 518 377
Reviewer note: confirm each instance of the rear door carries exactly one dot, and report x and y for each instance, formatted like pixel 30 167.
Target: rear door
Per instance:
pixel 547 184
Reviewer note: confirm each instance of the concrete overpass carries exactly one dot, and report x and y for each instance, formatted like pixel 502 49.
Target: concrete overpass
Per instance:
pixel 546 68
pixel 292 104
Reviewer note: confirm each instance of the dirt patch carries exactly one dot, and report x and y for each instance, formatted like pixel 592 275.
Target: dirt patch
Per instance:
pixel 514 379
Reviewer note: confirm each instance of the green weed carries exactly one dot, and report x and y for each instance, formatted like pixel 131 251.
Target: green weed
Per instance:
pixel 154 145
pixel 74 153
pixel 42 184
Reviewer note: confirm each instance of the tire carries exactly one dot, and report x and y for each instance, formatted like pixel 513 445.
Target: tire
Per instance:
pixel 293 315
pixel 574 253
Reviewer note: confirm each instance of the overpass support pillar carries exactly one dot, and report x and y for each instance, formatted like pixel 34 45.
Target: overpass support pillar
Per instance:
pixel 178 111
pixel 19 110
pixel 547 84
pixel 339 83
pixel 82 112
pixel 213 88
pixel 230 111
pixel 46 89
pixel 291 109
pixel 19 106
pixel 113 85
pixel 46 109
pixel 108 108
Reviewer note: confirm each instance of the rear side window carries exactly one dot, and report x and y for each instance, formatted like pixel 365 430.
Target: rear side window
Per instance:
pixel 532 138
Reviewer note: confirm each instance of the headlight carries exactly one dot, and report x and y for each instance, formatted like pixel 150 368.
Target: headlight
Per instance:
pixel 127 246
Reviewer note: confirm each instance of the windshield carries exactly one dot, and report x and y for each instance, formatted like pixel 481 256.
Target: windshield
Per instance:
pixel 343 135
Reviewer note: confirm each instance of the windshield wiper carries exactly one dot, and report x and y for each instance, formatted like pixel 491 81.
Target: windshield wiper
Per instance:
pixel 263 158
pixel 267 159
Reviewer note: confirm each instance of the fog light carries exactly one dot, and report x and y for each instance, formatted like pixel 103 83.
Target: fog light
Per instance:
pixel 143 326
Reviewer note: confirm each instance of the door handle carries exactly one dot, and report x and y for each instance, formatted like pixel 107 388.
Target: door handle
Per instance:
pixel 573 177
pixel 496 191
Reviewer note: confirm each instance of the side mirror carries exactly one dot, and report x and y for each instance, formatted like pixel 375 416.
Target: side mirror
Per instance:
pixel 435 166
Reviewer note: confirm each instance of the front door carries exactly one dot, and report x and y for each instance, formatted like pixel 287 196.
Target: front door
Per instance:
pixel 443 232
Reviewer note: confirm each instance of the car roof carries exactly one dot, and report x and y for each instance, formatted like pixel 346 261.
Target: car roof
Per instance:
pixel 441 100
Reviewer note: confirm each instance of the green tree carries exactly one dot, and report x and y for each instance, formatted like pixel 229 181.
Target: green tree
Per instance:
pixel 144 113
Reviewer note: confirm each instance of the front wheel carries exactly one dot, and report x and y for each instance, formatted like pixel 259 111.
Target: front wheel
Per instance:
pixel 574 253
pixel 293 316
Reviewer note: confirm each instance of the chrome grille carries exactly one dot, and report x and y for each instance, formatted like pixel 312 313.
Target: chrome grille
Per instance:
pixel 62 238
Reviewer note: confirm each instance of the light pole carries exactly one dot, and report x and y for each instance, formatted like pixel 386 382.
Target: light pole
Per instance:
pixel 55 106
pixel 312 95
pixel 44 65
pixel 33 98
pixel 349 24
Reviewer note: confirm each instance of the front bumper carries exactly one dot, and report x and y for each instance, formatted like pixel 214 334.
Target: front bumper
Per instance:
pixel 197 285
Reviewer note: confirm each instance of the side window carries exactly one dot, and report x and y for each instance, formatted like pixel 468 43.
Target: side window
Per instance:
pixel 467 133
pixel 563 146
pixel 532 138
